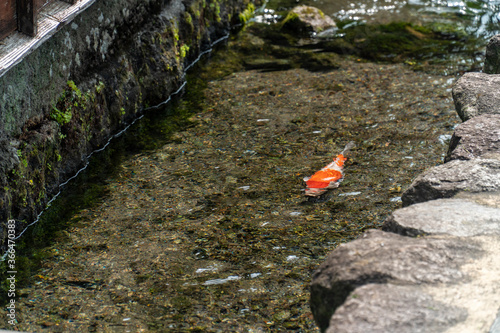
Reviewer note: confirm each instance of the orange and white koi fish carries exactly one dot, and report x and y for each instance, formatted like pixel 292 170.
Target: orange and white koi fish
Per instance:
pixel 330 176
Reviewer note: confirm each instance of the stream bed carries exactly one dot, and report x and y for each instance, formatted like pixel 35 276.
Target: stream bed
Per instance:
pixel 195 219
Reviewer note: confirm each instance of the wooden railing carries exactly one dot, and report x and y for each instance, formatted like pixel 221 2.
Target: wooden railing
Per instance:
pixel 22 15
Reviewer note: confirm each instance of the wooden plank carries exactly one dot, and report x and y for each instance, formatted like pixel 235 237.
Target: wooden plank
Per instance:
pixel 7 17
pixel 17 46
pixel 39 4
pixel 26 17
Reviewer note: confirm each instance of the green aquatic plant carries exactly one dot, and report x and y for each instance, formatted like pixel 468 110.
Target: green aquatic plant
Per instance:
pixel 419 46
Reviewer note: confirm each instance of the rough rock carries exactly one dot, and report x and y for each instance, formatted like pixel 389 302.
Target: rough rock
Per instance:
pixel 8 157
pixel 492 60
pixel 405 261
pixel 456 217
pixel 475 94
pixel 475 137
pixel 446 180
pixel 490 199
pixel 392 308
pixel 307 19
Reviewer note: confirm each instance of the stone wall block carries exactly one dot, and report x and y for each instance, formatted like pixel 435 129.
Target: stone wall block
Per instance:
pixel 386 308
pixel 380 257
pixel 476 137
pixel 475 94
pixel 455 217
pixel 447 180
pixel 492 59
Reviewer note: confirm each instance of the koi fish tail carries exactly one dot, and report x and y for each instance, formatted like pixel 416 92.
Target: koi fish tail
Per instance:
pixel 347 149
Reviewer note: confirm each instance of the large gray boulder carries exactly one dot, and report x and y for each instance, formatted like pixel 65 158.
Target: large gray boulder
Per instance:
pixel 476 137
pixel 490 199
pixel 455 217
pixel 477 93
pixel 443 280
pixel 380 257
pixel 386 308
pixel 447 180
pixel 495 328
pixel 492 60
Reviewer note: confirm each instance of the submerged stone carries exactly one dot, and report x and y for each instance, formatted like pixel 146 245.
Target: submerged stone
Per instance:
pixel 307 19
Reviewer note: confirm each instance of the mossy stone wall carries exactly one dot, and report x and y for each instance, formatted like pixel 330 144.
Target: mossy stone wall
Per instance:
pixel 89 80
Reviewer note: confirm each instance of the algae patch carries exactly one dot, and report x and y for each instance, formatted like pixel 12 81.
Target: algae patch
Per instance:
pixel 433 48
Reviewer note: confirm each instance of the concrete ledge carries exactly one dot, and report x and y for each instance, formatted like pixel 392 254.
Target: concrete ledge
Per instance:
pixel 434 267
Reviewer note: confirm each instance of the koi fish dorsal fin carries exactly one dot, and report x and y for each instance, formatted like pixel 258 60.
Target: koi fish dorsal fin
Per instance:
pixel 339 160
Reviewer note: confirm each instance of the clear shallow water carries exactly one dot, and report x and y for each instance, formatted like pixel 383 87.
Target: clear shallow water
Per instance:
pixel 206 229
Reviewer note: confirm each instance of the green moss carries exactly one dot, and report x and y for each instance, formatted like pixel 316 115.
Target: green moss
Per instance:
pixel 290 17
pixel 99 87
pixel 194 9
pixel 62 112
pixel 184 50
pixel 247 14
pixel 74 88
pixel 216 8
pixel 176 34
pixel 61 117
